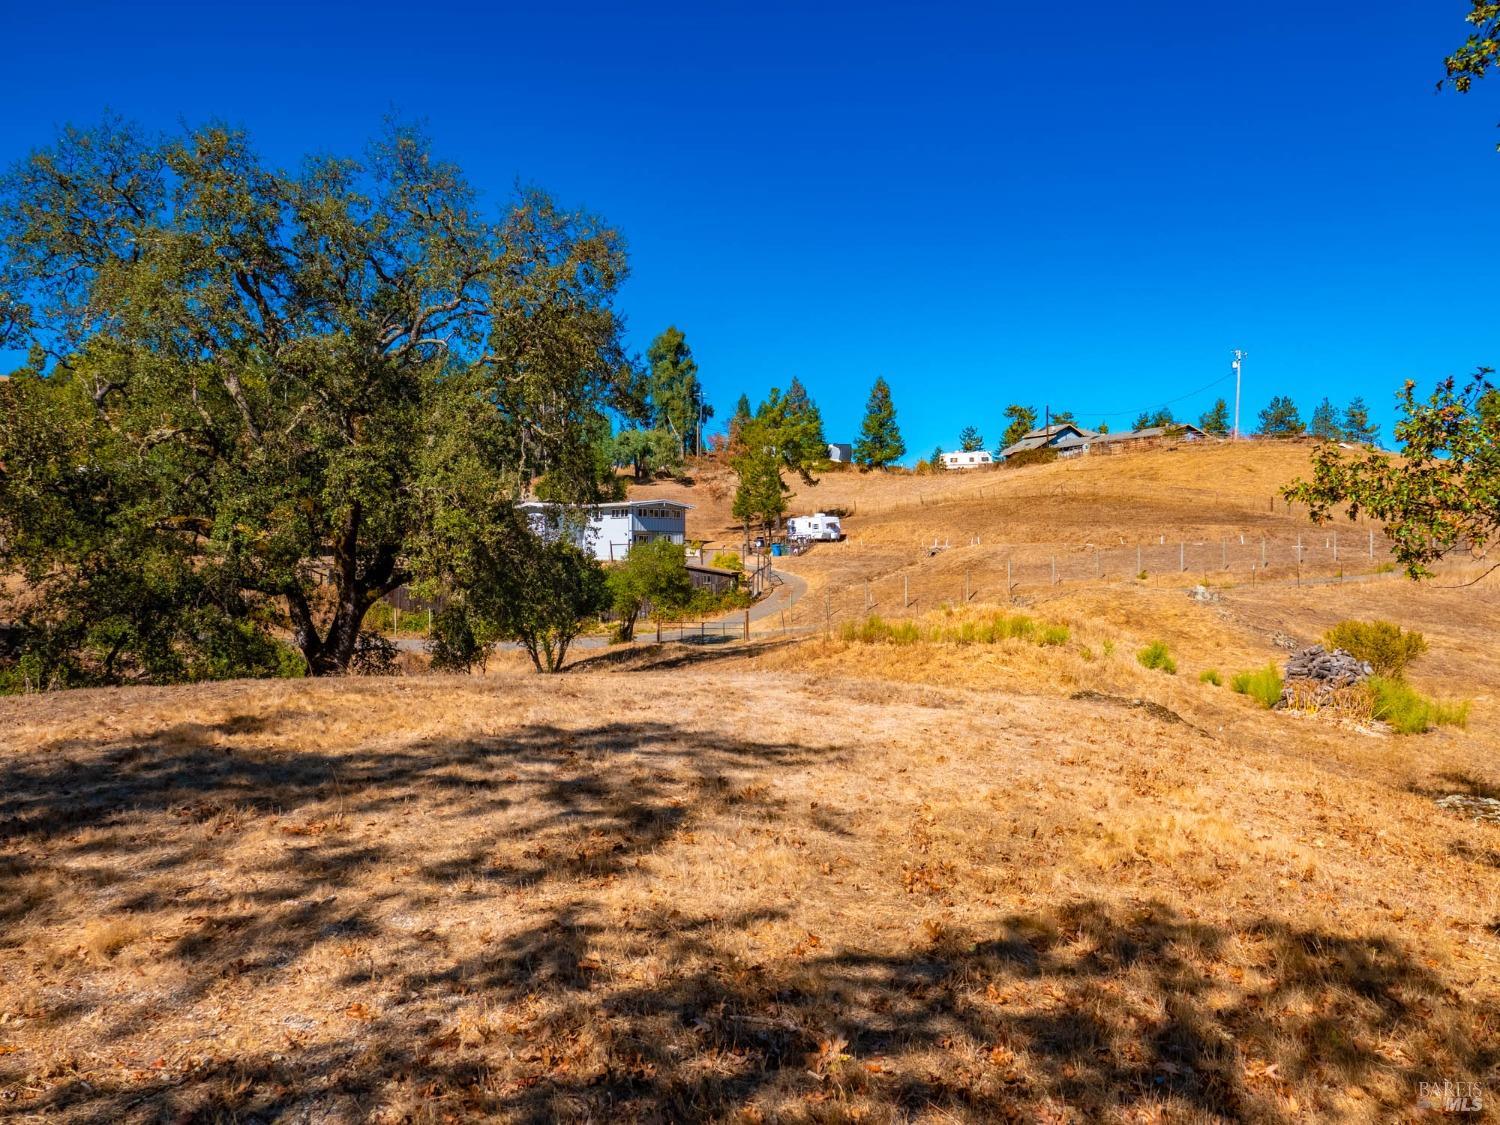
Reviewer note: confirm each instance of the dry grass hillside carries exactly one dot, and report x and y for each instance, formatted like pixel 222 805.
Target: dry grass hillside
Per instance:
pixel 812 878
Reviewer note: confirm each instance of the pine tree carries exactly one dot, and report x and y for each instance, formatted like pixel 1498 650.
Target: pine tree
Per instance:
pixel 879 441
pixel 971 439
pixel 1022 422
pixel 1325 422
pixel 794 428
pixel 1216 420
pixel 1357 424
pixel 1281 419
pixel 760 497
pixel 936 460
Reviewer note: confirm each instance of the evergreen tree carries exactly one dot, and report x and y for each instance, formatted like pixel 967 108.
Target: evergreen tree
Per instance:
pixel 1216 420
pixel 879 441
pixel 1022 422
pixel 1357 425
pixel 1142 420
pixel 760 497
pixel 792 425
pixel 970 440
pixel 1063 418
pixel 1102 428
pixel 1325 422
pixel 1280 419
pixel 677 403
pixel 936 461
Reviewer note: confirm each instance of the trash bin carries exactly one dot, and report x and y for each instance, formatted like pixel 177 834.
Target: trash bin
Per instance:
pixel 776 549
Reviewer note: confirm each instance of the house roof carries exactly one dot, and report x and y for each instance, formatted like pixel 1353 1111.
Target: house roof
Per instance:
pixel 1077 437
pixel 631 505
pixel 704 568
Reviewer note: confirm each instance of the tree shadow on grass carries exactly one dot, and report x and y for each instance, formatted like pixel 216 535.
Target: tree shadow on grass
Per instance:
pixel 1085 1012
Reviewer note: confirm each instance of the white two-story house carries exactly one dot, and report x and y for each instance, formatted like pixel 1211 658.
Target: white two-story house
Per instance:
pixel 609 530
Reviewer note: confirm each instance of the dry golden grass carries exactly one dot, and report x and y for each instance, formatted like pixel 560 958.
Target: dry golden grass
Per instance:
pixel 800 880
pixel 732 888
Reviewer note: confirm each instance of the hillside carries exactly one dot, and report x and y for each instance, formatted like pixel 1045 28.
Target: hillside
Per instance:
pixel 808 878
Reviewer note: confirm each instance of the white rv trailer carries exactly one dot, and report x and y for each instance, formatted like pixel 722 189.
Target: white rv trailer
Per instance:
pixel 821 527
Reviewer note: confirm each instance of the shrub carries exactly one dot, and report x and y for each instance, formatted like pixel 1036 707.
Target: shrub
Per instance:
pixel 1382 644
pixel 1108 648
pixel 1263 685
pixel 1158 658
pixel 1053 635
pixel 1395 702
pixel 1211 676
pixel 453 645
pixel 1044 455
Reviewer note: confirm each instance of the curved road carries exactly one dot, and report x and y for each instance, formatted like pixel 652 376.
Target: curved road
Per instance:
pixel 786 591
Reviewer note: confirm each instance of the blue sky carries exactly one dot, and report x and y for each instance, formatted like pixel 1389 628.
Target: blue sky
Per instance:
pixel 1083 205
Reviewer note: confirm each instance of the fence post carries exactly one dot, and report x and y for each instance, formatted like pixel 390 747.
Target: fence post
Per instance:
pixel 1054 570
pixel 1181 555
pixel 827 614
pixel 1263 552
pixel 1335 546
pixel 1096 562
pixel 1224 551
pixel 1138 566
pixel 905 591
pixel 1372 544
pixel 1009 585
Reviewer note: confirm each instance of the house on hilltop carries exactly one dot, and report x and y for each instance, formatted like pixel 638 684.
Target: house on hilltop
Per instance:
pixel 840 452
pixel 609 530
pixel 1069 440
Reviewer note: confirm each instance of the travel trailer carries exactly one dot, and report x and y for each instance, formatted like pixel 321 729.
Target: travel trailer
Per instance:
pixel 821 526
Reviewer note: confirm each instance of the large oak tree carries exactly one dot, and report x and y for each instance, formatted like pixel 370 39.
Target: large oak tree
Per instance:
pixel 261 399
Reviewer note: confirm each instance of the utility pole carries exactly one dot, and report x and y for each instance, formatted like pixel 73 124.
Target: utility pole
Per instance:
pixel 1238 365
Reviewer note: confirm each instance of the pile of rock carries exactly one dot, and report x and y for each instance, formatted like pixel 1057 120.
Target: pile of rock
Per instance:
pixel 1316 677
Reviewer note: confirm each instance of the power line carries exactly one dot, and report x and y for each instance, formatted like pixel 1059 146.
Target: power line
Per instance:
pixel 1078 412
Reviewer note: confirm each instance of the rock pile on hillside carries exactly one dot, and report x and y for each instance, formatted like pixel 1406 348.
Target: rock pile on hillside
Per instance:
pixel 1314 676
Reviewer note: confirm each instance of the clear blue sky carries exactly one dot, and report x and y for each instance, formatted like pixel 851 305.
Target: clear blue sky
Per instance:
pixel 1083 204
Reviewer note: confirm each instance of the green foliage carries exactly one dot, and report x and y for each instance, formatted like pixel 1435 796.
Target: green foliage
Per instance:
pixel 793 426
pixel 1263 685
pixel 1053 635
pixel 1160 417
pixel 728 560
pixel 1395 702
pixel 374 655
pixel 1211 676
pixel 986 629
pixel 654 575
pixel 1382 644
pixel 785 433
pixel 1157 657
pixel 879 442
pixel 1216 420
pixel 1356 425
pixel 1280 419
pixel 458 643
pixel 1042 455
pixel 1325 422
pixel 970 440
pixel 1443 497
pixel 281 390
pixel 646 452
pixel 544 596
pixel 1021 421
pixel 677 404
pixel 760 496
pixel 1481 50
pixel 935 462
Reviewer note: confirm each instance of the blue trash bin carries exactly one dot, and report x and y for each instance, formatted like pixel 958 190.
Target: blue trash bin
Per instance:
pixel 776 549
